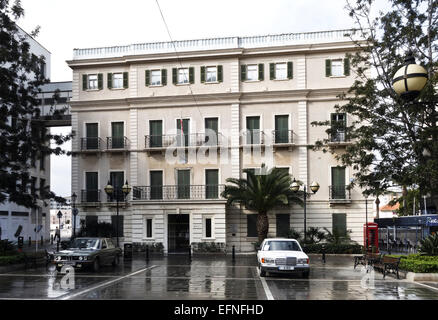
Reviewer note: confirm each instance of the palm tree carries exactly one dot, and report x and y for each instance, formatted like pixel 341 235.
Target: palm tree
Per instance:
pixel 262 193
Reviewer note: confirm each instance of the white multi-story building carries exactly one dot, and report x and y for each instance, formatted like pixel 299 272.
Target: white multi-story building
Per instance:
pixel 147 113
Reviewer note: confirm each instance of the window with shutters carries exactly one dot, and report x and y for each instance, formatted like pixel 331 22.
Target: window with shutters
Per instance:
pixel 280 71
pixel 337 69
pixel 183 76
pixel 252 72
pixel 211 74
pixel 92 82
pixel 117 81
pixel 339 224
pixel 155 77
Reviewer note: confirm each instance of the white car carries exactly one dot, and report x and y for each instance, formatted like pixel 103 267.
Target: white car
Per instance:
pixel 282 256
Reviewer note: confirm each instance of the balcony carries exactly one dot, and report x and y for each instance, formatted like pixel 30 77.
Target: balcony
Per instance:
pixel 91 145
pixel 90 197
pixel 339 194
pixel 282 138
pixel 338 140
pixel 252 137
pixel 174 192
pixel 161 142
pixel 117 144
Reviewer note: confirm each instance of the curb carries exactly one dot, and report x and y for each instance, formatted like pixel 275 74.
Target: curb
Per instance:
pixel 412 276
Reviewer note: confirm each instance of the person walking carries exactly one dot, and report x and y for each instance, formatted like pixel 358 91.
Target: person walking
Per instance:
pixel 57 234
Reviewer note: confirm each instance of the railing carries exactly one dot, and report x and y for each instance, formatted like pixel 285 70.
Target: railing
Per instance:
pixel 91 143
pixel 339 193
pixel 90 196
pixel 182 140
pixel 117 142
pixel 282 136
pixel 338 137
pixel 250 137
pixel 117 194
pixel 218 43
pixel 175 192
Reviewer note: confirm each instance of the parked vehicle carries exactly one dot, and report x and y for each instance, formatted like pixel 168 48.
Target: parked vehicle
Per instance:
pixel 282 256
pixel 88 252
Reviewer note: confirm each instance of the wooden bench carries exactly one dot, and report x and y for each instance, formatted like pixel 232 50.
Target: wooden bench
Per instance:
pixel 367 259
pixel 388 264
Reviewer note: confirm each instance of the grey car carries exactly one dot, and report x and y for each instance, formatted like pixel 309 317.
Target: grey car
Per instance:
pixel 88 252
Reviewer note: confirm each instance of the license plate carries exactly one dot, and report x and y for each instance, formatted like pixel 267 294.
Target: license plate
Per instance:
pixel 286 268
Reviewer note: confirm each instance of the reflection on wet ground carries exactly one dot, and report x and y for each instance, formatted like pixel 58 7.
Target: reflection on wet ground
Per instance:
pixel 210 277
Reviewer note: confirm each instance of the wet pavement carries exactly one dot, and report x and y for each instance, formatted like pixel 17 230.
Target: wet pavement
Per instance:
pixel 210 277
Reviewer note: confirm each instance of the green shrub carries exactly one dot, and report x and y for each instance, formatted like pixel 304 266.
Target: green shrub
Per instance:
pixel 333 248
pixel 12 259
pixel 202 247
pixel 7 248
pixel 429 245
pixel 418 263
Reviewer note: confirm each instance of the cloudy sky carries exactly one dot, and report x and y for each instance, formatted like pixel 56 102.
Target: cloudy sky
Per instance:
pixel 94 23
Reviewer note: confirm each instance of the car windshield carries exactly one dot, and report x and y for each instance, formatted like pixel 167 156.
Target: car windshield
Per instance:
pixel 281 246
pixel 85 243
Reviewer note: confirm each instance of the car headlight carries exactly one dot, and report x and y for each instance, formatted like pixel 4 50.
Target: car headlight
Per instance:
pixel 58 258
pixel 81 258
pixel 303 261
pixel 267 260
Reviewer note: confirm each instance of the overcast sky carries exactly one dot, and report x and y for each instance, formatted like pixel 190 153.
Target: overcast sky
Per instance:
pixel 94 23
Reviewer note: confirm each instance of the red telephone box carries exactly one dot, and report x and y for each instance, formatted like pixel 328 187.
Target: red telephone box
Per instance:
pixel 371 238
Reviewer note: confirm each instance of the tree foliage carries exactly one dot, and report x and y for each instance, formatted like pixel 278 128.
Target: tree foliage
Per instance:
pixel 394 141
pixel 24 137
pixel 262 193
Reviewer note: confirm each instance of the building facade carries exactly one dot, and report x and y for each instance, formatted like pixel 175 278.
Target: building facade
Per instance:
pixel 175 120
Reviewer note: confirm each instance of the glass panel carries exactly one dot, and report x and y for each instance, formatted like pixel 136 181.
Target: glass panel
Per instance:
pixel 282 129
pixel 211 74
pixel 183 184
pixel 337 68
pixel 280 71
pixel 156 133
pixel 156 185
pixel 92 81
pixel 339 223
pixel 253 130
pixel 211 181
pixel 117 80
pixel 338 120
pixel 183 75
pixel 117 181
pixel 155 77
pixel 211 130
pixel 252 72
pixel 117 135
pixel 208 227
pixel 182 135
pixel 149 228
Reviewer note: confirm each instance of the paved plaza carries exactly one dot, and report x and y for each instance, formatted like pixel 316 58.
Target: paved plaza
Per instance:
pixel 210 277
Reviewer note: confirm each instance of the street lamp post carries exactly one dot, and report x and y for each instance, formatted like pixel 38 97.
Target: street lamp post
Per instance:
pixel 109 189
pixel 75 212
pixel 314 186
pixel 59 228
pixel 366 222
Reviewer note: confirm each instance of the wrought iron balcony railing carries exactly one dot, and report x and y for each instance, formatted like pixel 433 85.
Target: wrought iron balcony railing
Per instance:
pixel 339 193
pixel 282 136
pixel 91 144
pixel 117 143
pixel 183 140
pixel 338 137
pixel 250 137
pixel 90 195
pixel 174 192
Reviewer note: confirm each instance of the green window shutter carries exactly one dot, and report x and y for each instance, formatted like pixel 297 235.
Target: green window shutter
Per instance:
pixel 192 75
pixel 347 67
pixel 339 223
pixel 164 77
pixel 328 68
pixel 183 184
pixel 211 182
pixel 110 80
pixel 261 72
pixel 100 81
pixel 243 72
pixel 125 80
pixel 156 133
pixel 220 74
pixel 202 74
pixel 174 75
pixel 147 78
pixel 84 82
pixel 290 70
pixel 272 71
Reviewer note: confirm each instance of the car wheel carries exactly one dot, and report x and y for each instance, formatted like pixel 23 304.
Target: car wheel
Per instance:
pixel 116 260
pixel 306 274
pixel 262 272
pixel 96 265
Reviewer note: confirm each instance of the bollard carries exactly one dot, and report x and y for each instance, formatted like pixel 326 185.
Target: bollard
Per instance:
pixel 42 240
pixel 323 254
pixel 147 253
pixel 51 239
pixel 234 253
pixel 190 252
pixel 30 241
pixel 57 246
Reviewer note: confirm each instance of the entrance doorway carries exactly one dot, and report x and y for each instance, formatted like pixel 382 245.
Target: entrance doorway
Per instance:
pixel 178 233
